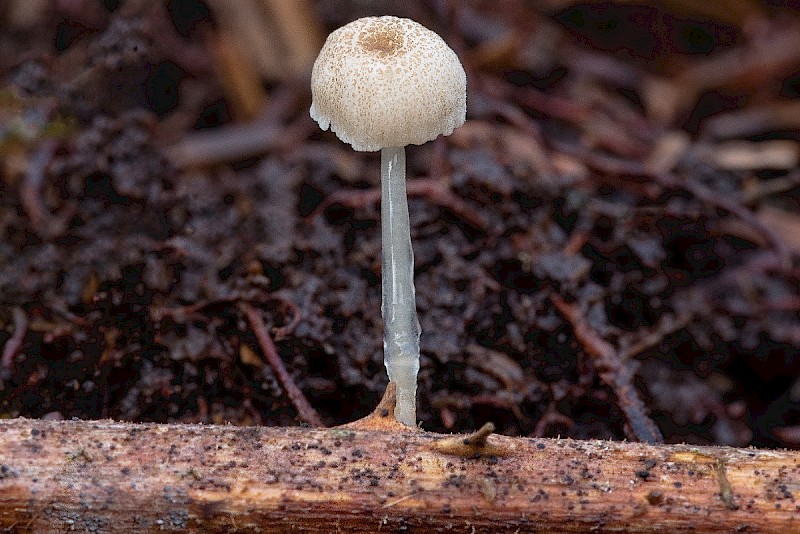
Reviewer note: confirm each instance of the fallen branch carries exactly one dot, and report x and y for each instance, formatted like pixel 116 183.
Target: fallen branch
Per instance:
pixel 376 474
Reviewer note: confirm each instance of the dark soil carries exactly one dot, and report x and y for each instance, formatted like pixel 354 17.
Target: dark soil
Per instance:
pixel 585 265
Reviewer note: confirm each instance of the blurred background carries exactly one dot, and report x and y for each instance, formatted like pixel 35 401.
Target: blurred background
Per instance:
pixel 608 248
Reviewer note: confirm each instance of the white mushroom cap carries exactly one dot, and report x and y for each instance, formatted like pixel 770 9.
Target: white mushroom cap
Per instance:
pixel 387 82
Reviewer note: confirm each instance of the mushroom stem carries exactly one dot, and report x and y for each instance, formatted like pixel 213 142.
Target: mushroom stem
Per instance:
pixel 399 310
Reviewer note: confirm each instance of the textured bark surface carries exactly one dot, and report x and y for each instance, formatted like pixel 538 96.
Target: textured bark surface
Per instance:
pixel 105 476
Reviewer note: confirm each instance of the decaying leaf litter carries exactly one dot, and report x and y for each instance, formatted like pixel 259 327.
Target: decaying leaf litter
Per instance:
pixel 608 248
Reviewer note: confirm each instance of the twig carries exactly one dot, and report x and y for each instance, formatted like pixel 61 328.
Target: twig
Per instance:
pixel 613 372
pixel 304 409
pixel 14 343
pixel 602 162
pixel 648 338
pixel 431 189
pixel 184 313
pixel 31 191
pixel 236 141
pixel 553 106
pixel 281 332
pixel 227 143
pixel 756 119
pixel 439 194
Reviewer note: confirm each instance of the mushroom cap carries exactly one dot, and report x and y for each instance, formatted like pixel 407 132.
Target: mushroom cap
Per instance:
pixel 387 82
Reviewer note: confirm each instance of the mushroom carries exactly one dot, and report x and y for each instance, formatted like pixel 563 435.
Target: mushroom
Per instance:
pixel 381 83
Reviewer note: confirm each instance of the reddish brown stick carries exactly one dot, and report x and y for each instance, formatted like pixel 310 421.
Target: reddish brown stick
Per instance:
pixel 431 189
pixel 613 372
pixel 304 409
pixel 14 343
pixel 30 191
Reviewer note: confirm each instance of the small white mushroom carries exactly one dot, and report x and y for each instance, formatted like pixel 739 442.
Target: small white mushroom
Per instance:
pixel 381 83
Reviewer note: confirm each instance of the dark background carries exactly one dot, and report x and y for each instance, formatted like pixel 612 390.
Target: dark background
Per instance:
pixel 607 249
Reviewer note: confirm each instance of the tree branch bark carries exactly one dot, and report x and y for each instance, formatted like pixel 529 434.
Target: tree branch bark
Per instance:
pixel 377 475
